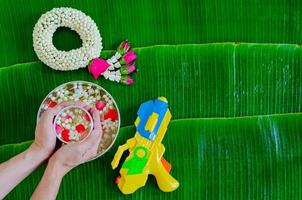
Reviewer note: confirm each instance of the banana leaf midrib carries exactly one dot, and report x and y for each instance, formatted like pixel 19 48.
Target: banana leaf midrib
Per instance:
pixel 194 119
pixel 108 52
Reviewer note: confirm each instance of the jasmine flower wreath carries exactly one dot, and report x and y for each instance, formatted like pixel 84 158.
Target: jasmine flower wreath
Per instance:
pixel 117 68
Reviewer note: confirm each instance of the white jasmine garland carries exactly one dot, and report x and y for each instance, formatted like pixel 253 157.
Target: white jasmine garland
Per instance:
pixel 75 20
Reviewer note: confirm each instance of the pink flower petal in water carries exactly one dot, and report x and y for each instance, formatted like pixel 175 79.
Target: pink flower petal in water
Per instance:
pixel 59 128
pixel 100 105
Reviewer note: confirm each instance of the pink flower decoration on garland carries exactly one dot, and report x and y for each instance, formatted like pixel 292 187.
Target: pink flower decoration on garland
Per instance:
pixel 116 67
pixel 97 66
pixel 123 48
pixel 127 80
pixel 128 57
pixel 128 69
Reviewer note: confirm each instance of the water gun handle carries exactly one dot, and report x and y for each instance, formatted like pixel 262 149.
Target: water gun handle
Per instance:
pixel 164 180
pixel 121 149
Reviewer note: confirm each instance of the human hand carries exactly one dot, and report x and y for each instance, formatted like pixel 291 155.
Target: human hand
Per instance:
pixel 45 136
pixel 74 154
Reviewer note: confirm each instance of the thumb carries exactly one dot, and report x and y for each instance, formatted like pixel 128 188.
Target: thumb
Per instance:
pixel 92 141
pixel 49 114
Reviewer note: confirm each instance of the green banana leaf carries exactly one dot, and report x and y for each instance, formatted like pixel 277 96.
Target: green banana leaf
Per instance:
pixel 232 158
pixel 212 80
pixel 146 23
pixel 232 73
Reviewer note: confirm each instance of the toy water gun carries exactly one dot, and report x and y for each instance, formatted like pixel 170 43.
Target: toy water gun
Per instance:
pixel 146 150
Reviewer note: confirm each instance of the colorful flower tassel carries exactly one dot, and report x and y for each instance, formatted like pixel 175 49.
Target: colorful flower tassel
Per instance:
pixel 117 68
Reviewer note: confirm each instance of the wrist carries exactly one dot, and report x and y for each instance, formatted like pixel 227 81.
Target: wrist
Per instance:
pixel 58 166
pixel 39 152
pixel 35 155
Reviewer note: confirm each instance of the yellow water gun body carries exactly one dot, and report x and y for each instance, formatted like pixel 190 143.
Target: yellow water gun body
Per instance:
pixel 146 150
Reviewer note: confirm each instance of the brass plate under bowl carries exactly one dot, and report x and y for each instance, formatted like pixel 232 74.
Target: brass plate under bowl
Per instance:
pixel 93 95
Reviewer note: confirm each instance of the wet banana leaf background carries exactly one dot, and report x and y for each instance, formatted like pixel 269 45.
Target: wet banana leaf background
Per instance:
pixel 231 70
